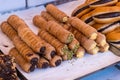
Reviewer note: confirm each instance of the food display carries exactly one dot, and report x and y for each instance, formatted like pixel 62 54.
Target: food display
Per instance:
pixel 49 40
pixel 103 15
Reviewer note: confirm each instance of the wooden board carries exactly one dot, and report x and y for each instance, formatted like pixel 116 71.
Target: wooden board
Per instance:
pixel 68 70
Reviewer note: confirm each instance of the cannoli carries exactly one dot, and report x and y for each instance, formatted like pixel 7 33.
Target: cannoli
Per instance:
pixel 43 63
pixel 88 44
pixel 101 39
pixel 7 68
pixel 31 39
pixel 8 30
pixel 93 51
pixel 22 47
pixel 47 16
pixel 113 37
pixel 104 48
pixel 27 35
pixel 84 28
pixel 80 52
pixel 60 47
pixel 26 66
pixel 107 17
pixel 68 55
pixel 74 45
pixel 39 22
pixel 16 22
pixel 103 3
pixel 56 13
pixel 59 32
pixel 106 28
pixel 56 61
pixel 50 52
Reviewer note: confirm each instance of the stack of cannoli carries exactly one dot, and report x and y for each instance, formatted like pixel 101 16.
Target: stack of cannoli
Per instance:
pixel 103 15
pixel 30 50
pixel 55 30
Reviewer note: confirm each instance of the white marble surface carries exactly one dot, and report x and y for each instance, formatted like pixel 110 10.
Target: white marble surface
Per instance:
pixel 68 70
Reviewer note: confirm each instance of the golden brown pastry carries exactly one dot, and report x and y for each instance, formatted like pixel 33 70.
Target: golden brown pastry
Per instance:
pixel 26 66
pixel 40 22
pixel 103 3
pixel 43 63
pixel 81 10
pixel 59 32
pixel 80 52
pixel 47 16
pixel 8 30
pixel 16 22
pixel 93 51
pixel 22 47
pixel 56 13
pixel 84 28
pixel 74 45
pixel 88 18
pixel 104 48
pixel 26 34
pixel 113 37
pixel 56 61
pixel 88 44
pixel 60 47
pixel 101 39
pixel 106 28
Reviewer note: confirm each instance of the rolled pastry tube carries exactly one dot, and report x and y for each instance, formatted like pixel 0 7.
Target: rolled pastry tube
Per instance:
pixel 31 39
pixel 39 22
pixel 22 47
pixel 80 52
pixel 56 13
pixel 103 3
pixel 88 44
pixel 16 22
pixel 26 66
pixel 88 18
pixel 106 28
pixel 26 34
pixel 93 51
pixel 8 30
pixel 101 39
pixel 113 37
pixel 59 32
pixel 84 28
pixel 55 61
pixel 47 16
pixel 107 17
pixel 43 63
pixel 60 47
pixel 104 48
pixel 68 57
pixel 50 52
pixel 74 45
